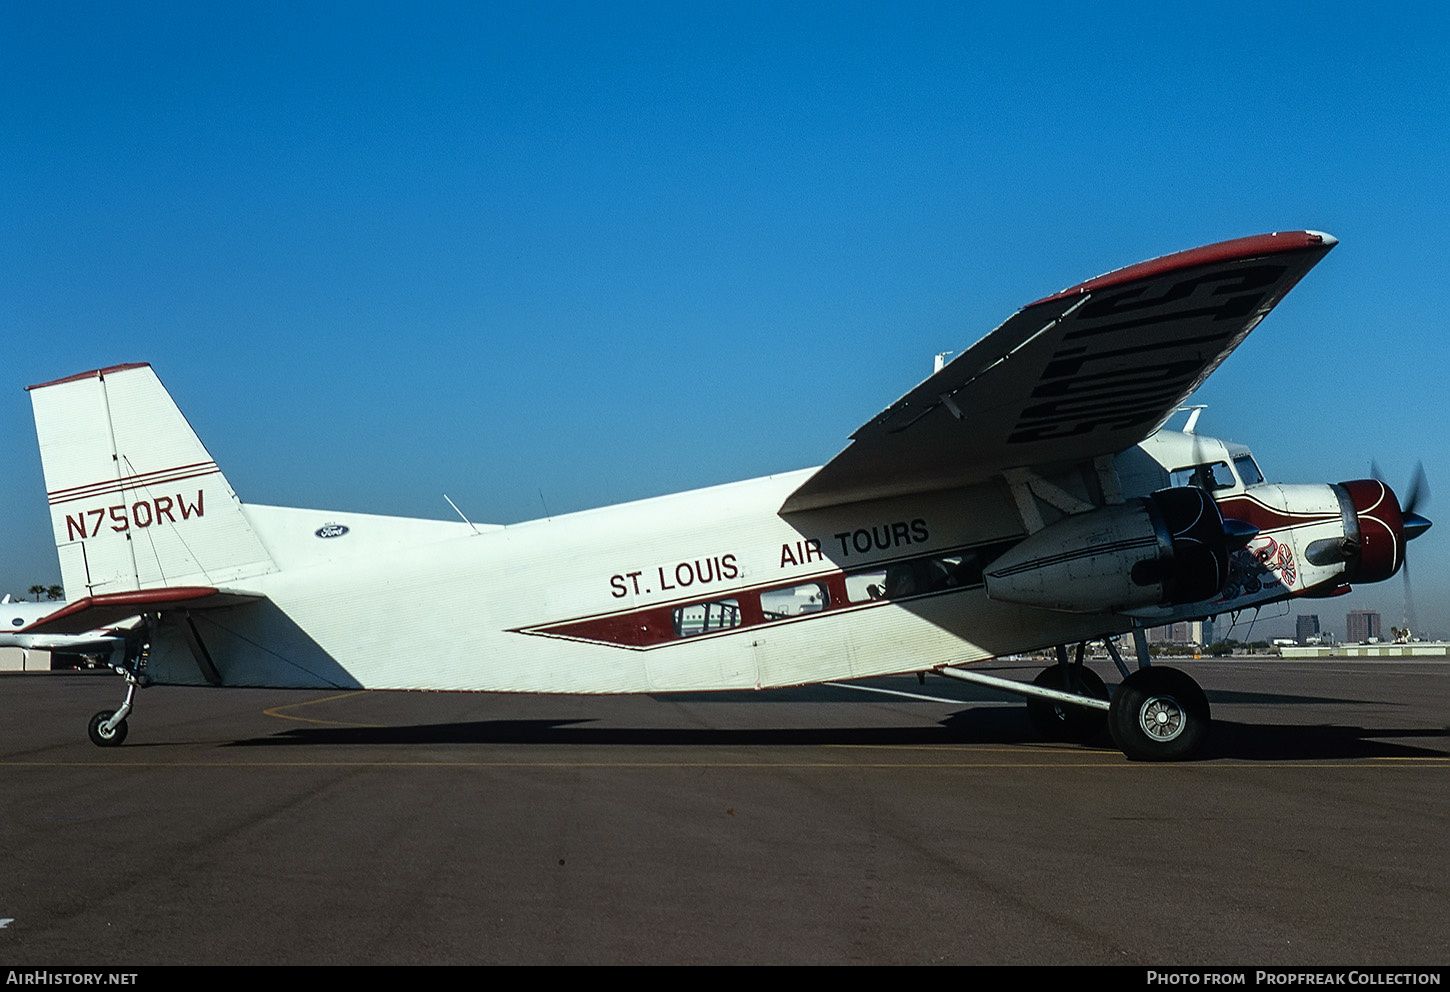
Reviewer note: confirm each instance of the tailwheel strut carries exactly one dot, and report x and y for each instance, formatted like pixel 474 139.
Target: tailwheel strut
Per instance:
pixel 108 727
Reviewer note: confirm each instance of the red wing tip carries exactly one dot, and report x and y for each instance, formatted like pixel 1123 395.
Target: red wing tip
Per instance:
pixel 1223 251
pixel 92 374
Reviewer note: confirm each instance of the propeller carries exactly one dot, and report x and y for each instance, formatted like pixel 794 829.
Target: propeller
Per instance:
pixel 1415 496
pixel 1417 493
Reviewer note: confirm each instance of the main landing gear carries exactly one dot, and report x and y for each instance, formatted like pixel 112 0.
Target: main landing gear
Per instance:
pixel 108 727
pixel 1154 714
pixel 1157 714
pixel 1057 720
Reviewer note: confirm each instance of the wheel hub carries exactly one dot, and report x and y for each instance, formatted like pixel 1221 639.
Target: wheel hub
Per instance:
pixel 1161 718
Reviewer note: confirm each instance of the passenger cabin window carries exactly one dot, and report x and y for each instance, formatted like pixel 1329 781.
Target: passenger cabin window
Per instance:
pixel 1209 476
pixel 1248 470
pixel 704 618
pixel 794 601
pixel 902 578
pixel 862 587
pixel 929 573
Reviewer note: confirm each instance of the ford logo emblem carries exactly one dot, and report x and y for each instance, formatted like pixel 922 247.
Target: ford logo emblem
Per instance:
pixel 330 530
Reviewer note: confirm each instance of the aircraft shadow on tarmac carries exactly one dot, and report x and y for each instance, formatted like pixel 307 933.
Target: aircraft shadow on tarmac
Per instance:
pixel 987 725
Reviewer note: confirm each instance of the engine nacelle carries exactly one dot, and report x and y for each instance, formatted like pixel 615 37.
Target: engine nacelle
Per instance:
pixel 1168 549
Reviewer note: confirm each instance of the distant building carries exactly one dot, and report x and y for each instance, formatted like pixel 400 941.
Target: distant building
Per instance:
pixel 1306 627
pixel 1160 635
pixel 1417 649
pixel 1184 632
pixel 1361 626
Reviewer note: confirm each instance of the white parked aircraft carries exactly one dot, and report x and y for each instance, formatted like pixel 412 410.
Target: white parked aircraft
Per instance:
pixel 1022 496
pixel 17 616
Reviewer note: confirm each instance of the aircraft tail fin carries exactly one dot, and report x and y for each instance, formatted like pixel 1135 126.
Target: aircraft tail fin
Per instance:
pixel 136 502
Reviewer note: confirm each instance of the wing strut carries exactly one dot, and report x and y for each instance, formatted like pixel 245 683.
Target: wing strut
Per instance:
pixel 198 649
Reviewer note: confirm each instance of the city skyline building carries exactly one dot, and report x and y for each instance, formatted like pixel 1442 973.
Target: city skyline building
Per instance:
pixel 1306 626
pixel 1362 626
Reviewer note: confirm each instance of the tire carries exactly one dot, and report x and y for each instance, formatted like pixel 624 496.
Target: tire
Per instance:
pixel 102 739
pixel 1159 714
pixel 1063 721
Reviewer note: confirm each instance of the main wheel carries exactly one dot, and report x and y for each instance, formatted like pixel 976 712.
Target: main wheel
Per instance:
pixel 100 737
pixel 1063 721
pixel 1159 714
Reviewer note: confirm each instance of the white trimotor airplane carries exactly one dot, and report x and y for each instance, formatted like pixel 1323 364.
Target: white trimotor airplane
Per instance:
pixel 1021 497
pixel 19 615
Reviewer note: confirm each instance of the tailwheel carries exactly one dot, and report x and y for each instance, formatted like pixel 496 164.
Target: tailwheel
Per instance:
pixel 102 734
pixel 1063 721
pixel 1158 714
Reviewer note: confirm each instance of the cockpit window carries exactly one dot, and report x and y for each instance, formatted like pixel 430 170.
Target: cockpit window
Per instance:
pixel 1209 476
pixel 1248 470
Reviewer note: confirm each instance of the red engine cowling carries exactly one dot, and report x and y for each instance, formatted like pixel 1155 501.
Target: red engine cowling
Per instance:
pixel 1375 532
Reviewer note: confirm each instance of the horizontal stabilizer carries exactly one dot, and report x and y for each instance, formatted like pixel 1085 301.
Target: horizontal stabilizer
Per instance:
pixel 106 609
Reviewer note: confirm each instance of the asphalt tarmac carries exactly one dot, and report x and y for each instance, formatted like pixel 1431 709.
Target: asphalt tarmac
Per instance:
pixel 822 825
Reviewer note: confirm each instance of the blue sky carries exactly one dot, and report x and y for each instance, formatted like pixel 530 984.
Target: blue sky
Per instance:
pixel 570 254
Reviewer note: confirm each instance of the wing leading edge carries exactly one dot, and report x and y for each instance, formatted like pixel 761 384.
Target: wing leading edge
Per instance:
pixel 1088 371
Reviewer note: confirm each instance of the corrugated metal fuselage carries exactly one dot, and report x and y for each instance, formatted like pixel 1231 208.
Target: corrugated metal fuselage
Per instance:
pixel 576 603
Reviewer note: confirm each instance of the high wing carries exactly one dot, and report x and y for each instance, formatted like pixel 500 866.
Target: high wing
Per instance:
pixel 1085 372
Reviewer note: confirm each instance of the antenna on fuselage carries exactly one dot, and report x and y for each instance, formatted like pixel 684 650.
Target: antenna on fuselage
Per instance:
pixel 460 513
pixel 1191 426
pixel 940 362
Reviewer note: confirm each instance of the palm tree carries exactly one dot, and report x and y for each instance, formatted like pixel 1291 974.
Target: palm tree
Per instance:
pixel 55 592
pixel 36 591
